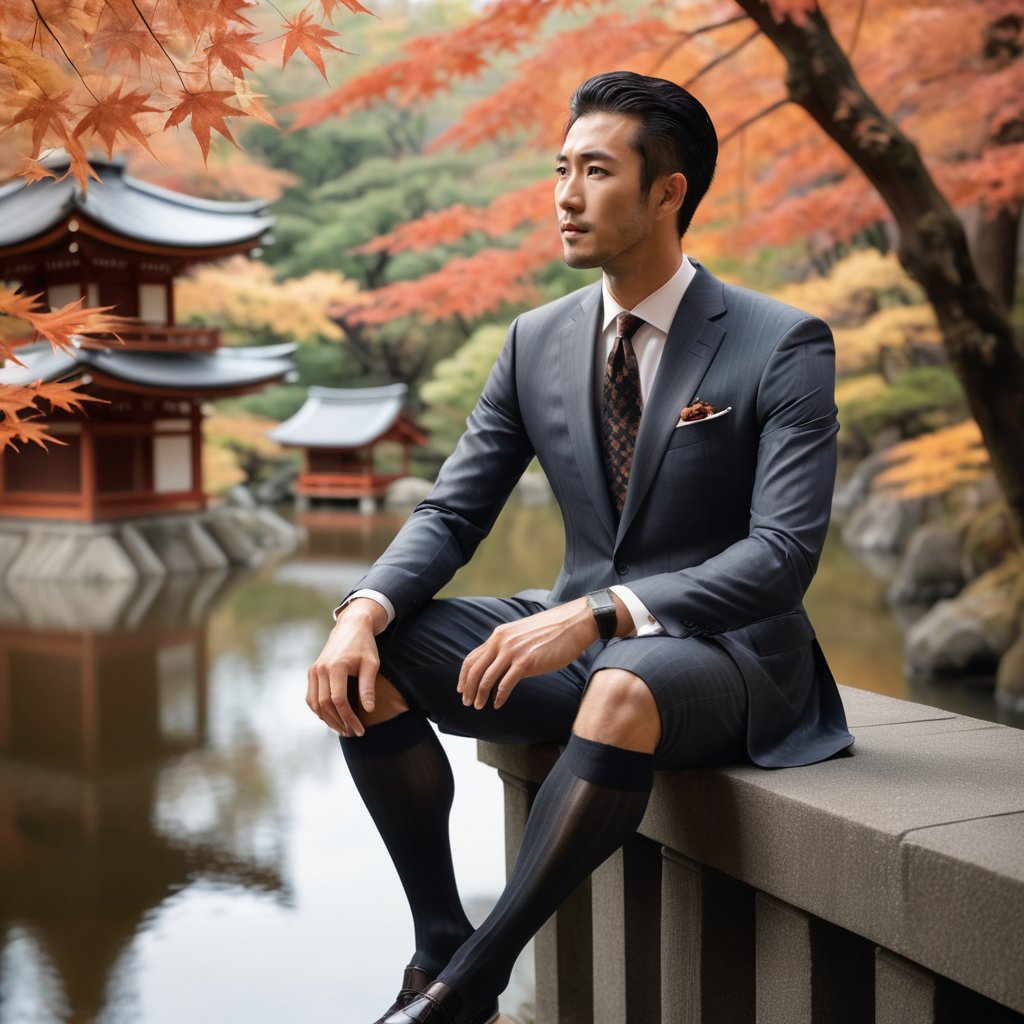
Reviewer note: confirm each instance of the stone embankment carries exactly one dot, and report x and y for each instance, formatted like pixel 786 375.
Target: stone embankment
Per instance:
pixel 955 574
pixel 216 539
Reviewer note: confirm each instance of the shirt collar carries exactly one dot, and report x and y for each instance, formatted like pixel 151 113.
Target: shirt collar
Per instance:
pixel 659 308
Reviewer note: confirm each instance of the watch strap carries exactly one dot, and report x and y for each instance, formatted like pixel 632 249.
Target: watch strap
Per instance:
pixel 606 615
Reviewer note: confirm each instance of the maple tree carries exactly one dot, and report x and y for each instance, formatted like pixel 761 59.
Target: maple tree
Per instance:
pixel 112 74
pixel 808 152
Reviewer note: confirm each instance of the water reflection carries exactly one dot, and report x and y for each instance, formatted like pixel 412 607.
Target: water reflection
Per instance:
pixel 178 837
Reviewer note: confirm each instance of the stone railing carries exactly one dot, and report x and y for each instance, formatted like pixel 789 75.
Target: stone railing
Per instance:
pixel 883 888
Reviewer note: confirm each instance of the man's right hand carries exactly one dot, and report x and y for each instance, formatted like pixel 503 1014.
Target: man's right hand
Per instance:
pixel 350 651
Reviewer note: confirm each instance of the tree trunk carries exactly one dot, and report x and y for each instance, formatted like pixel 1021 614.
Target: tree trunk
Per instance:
pixel 976 328
pixel 994 241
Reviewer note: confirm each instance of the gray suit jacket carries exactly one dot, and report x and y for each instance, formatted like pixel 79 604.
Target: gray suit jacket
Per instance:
pixel 724 519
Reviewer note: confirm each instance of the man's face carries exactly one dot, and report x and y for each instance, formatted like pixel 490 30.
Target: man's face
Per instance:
pixel 603 220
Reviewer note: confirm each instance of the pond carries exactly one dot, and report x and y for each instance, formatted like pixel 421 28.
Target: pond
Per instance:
pixel 179 840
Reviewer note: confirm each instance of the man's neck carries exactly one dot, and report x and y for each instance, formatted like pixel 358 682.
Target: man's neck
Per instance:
pixel 629 286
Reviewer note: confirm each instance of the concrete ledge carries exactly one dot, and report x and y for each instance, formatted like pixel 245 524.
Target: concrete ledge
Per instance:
pixel 915 843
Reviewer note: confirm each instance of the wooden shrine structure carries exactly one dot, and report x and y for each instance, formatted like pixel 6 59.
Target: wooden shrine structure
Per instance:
pixel 122 243
pixel 341 430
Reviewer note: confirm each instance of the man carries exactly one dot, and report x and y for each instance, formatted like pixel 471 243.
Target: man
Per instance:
pixel 674 635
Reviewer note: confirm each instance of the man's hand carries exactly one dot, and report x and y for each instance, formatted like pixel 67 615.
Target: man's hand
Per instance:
pixel 532 646
pixel 350 651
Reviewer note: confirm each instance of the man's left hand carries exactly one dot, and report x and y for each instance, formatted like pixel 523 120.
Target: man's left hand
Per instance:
pixel 540 643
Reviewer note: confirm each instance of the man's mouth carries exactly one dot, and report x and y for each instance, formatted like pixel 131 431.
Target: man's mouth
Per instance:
pixel 570 230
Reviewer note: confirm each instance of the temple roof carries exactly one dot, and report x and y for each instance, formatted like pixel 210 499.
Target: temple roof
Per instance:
pixel 187 372
pixel 342 417
pixel 128 208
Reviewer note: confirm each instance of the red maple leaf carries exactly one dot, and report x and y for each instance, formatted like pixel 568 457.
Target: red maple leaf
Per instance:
pixel 235 50
pixel 310 37
pixel 45 113
pixel 354 6
pixel 207 111
pixel 115 115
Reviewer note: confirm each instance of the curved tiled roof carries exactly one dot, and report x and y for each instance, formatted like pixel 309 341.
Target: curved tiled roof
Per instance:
pixel 129 208
pixel 187 372
pixel 342 417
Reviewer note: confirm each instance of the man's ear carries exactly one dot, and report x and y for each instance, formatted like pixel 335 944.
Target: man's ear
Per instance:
pixel 673 192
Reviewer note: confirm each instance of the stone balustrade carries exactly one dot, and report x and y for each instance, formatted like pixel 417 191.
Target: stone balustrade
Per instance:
pixel 883 888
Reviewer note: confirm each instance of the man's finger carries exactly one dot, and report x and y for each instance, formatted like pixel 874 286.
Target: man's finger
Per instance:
pixel 368 684
pixel 339 699
pixel 325 705
pixel 469 675
pixel 490 678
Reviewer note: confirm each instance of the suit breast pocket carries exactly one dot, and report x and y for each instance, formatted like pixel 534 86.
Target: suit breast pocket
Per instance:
pixel 700 431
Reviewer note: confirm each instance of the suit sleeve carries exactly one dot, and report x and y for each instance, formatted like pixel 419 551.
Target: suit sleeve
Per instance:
pixel 472 487
pixel 769 570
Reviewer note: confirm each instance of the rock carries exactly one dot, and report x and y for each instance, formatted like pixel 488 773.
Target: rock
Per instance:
pixel 168 539
pixel 234 540
pixel 931 568
pixel 534 489
pixel 855 490
pixel 278 487
pixel 207 552
pixel 406 492
pixel 240 496
pixel 138 550
pixel 883 523
pixel 969 634
pixel 102 559
pixel 988 540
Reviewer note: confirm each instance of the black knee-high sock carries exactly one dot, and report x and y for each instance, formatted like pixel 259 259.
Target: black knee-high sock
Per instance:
pixel 592 801
pixel 405 780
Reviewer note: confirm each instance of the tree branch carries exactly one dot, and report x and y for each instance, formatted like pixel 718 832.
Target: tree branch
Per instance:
pixel 685 37
pixel 722 57
pixel 156 39
pixel 46 25
pixel 743 125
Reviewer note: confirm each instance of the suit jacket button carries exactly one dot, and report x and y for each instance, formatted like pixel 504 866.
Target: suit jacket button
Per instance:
pixel 622 568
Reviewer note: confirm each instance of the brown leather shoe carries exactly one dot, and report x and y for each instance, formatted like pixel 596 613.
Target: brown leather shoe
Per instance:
pixel 414 981
pixel 439 1004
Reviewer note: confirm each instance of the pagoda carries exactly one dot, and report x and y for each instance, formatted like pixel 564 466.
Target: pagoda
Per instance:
pixel 341 430
pixel 121 243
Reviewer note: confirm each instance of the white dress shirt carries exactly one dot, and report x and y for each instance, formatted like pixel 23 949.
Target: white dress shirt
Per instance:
pixel 657 311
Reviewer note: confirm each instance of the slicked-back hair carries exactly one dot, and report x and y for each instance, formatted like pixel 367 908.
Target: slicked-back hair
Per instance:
pixel 674 131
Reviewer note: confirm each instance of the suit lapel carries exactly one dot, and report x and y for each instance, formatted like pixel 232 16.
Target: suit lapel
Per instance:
pixel 690 346
pixel 577 358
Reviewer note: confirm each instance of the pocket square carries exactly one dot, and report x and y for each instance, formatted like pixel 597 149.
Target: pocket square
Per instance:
pixel 683 422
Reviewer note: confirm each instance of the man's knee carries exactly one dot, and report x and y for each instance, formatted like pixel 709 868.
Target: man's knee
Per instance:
pixel 389 702
pixel 619 709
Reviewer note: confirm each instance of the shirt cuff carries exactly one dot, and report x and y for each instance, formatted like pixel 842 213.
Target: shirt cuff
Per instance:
pixel 644 623
pixel 373 595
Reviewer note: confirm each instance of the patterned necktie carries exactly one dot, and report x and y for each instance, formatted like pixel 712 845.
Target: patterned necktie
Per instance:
pixel 621 409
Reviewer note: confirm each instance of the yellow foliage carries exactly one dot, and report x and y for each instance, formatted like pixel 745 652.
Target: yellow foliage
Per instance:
pixel 243 295
pixel 860 388
pixel 858 348
pixel 863 272
pixel 220 464
pixel 935 463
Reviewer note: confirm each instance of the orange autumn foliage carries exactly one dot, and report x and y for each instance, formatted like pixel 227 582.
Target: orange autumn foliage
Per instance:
pixel 935 463
pixel 950 73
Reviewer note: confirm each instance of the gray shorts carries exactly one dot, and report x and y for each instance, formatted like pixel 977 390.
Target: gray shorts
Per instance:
pixel 699 691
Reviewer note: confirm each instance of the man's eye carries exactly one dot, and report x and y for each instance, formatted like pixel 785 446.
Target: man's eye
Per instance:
pixel 596 170
pixel 561 172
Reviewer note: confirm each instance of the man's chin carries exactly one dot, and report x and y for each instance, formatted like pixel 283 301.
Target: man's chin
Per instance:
pixel 581 260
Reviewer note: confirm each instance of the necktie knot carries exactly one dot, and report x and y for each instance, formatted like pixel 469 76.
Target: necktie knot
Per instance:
pixel 626 325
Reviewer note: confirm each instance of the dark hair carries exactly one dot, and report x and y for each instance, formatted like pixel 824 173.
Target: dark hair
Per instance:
pixel 675 132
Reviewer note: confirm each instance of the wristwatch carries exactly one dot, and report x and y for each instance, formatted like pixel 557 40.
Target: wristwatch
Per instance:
pixel 602 604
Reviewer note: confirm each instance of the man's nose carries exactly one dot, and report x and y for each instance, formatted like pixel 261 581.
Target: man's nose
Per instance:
pixel 567 193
